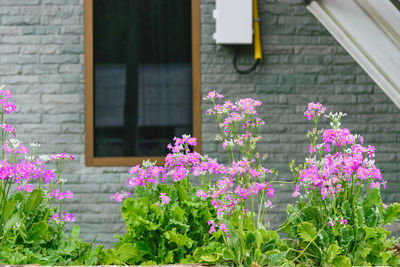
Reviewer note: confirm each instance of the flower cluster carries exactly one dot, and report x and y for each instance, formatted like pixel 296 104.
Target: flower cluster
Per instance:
pixel 314 110
pixel 29 173
pixel 67 217
pixel 221 226
pixel 62 156
pixel 347 165
pixel 164 198
pixel 119 197
pixel 6 107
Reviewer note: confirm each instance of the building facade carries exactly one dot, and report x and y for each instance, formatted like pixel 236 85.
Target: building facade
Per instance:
pixel 42 63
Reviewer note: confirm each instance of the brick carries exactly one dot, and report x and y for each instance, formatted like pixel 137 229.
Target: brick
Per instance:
pixel 58 59
pixel 10 69
pixel 24 118
pixel 18 2
pixel 40 49
pixel 71 68
pixel 20 79
pixel 40 69
pixel 61 118
pixel 21 40
pixel 9 49
pixel 20 20
pixel 60 39
pixel 10 30
pixel 19 59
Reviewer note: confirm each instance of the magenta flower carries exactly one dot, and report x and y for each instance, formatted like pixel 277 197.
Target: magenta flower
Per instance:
pixel 68 194
pixel 62 156
pixel 68 217
pixel 164 198
pixel 55 217
pixel 28 188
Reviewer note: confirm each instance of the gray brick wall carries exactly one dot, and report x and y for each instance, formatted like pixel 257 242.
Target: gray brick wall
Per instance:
pixel 41 61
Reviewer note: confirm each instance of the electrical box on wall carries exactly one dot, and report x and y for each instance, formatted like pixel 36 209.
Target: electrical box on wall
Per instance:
pixel 233 22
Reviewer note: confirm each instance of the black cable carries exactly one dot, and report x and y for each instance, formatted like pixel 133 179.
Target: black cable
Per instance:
pixel 246 71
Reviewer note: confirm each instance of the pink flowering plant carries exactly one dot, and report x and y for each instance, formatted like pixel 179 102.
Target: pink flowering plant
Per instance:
pixel 243 192
pixel 223 220
pixel 165 221
pixel 339 216
pixel 32 220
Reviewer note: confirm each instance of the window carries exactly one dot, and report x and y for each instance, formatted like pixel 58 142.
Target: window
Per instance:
pixel 142 78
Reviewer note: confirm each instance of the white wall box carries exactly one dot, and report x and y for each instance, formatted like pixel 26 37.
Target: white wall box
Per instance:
pixel 233 22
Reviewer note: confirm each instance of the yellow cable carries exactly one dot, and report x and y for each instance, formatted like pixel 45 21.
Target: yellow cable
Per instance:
pixel 256 25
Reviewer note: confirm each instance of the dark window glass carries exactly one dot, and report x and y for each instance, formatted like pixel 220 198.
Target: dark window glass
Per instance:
pixel 142 75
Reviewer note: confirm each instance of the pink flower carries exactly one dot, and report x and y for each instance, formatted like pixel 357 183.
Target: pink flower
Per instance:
pixel 164 198
pixel 28 188
pixel 62 156
pixel 55 217
pixel 68 217
pixel 296 192
pixel 374 185
pixel 202 194
pixel 68 194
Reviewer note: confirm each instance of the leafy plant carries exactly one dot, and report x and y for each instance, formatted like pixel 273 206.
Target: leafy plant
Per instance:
pixel 225 202
pixel 162 233
pixel 339 218
pixel 32 221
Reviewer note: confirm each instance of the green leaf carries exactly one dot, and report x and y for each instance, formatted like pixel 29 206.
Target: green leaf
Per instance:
pixel 126 251
pixel 271 235
pixel 364 251
pixel 178 213
pixel 277 259
pixel 373 197
pixel 9 208
pixel 38 231
pixel 34 200
pixel 346 209
pixel 369 232
pixel 360 217
pixel 332 252
pixel 147 263
pixel 347 235
pixel 371 217
pixel 342 261
pixel 391 213
pixel 11 222
pixel 325 238
pixel 75 232
pixel 179 239
pixel 250 239
pixel 306 231
pixel 210 258
pixel 228 255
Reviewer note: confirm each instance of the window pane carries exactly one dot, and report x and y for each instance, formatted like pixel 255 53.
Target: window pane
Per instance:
pixel 142 75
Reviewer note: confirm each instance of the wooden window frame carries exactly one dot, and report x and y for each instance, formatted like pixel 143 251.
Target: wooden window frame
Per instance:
pixel 90 159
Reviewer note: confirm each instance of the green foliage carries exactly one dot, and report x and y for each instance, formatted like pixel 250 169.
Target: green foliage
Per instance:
pixel 27 236
pixel 159 233
pixel 306 231
pixel 361 241
pixel 250 246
